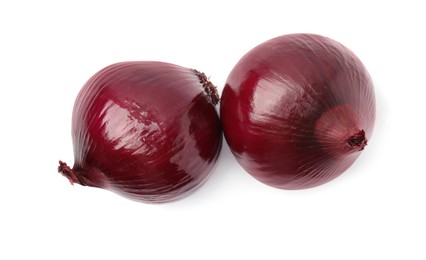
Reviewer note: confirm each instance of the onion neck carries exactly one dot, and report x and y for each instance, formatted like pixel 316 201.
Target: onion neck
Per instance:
pixel 339 131
pixel 87 176
pixel 209 88
pixel 69 173
pixel 358 140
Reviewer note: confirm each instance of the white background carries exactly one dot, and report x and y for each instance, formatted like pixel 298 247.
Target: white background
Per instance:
pixel 48 49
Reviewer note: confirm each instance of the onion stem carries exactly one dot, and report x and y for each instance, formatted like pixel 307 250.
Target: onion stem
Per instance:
pixel 68 172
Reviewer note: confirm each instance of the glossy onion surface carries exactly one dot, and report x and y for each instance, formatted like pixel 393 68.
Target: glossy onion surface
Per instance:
pixel 297 110
pixel 146 130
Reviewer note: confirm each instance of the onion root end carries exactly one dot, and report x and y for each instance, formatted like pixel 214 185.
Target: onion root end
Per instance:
pixel 209 88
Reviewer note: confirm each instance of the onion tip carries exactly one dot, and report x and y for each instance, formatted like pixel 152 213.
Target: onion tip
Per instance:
pixel 358 140
pixel 68 172
pixel 209 88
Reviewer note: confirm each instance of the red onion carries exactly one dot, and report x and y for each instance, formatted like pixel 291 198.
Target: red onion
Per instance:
pixel 146 130
pixel 297 110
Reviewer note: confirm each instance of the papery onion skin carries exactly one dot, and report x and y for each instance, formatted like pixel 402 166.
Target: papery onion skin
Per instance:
pixel 297 110
pixel 146 130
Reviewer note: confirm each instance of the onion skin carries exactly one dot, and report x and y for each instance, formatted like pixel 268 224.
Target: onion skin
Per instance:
pixel 148 131
pixel 297 110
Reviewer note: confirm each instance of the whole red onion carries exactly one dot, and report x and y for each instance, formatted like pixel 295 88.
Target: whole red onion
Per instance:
pixel 146 130
pixel 297 110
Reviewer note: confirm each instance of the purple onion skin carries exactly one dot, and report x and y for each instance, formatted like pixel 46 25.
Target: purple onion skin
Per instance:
pixel 297 110
pixel 148 131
